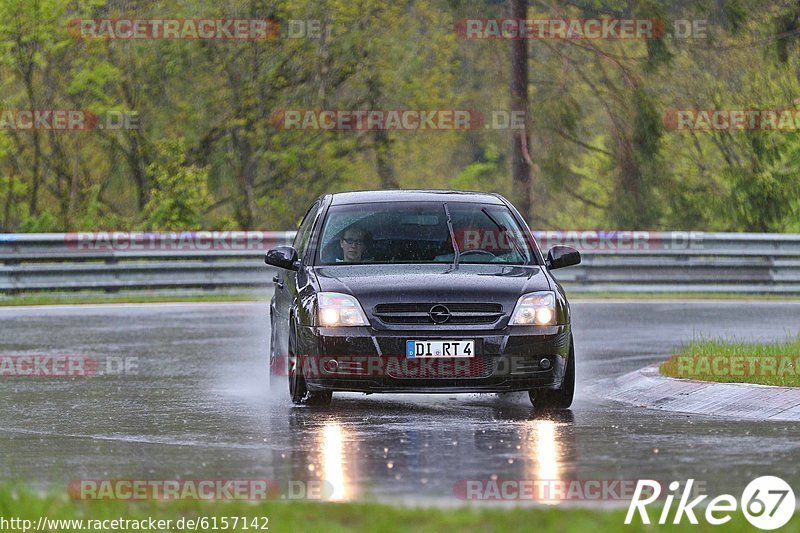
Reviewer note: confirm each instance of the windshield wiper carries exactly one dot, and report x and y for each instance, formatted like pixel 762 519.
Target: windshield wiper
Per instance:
pixel 456 251
pixel 502 227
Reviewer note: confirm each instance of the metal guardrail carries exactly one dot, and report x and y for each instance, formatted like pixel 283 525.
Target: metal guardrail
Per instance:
pixel 612 261
pixel 116 261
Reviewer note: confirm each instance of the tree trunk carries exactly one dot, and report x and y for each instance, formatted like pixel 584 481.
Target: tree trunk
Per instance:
pixel 380 139
pixel 9 200
pixel 520 160
pixel 383 159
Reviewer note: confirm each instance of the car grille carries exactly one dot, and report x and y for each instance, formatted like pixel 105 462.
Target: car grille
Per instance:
pixel 418 313
pixel 442 368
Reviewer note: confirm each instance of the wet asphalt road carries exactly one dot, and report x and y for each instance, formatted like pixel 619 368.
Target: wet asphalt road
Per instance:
pixel 197 406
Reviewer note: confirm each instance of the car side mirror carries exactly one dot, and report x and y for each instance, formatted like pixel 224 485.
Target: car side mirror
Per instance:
pixel 282 257
pixel 562 256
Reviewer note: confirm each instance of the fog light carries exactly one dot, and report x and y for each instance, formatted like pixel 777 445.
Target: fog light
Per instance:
pixel 331 365
pixel 544 364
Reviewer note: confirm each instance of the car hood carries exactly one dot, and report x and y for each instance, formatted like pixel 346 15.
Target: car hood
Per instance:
pixel 489 283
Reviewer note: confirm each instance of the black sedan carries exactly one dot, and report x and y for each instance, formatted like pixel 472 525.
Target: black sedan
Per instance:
pixel 420 291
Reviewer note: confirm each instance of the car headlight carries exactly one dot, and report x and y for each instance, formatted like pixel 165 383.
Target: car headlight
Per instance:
pixel 535 309
pixel 336 309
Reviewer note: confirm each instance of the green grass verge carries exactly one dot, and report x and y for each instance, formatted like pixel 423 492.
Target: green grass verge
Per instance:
pixel 334 517
pixel 722 361
pixel 77 298
pixel 576 294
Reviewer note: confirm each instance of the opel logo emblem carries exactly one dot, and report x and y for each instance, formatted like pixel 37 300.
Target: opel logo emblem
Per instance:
pixel 439 314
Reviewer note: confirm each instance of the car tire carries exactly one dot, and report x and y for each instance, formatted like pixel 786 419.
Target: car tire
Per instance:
pixel 560 398
pixel 274 372
pixel 298 392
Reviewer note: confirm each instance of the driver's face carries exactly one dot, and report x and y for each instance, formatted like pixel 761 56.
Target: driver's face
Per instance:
pixel 352 244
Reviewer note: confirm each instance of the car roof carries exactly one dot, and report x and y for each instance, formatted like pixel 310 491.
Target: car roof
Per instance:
pixel 414 195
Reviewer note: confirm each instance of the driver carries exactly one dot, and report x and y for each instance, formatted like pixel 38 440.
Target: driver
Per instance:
pixel 354 244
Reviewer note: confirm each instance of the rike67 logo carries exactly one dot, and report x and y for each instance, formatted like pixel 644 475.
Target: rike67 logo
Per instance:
pixel 767 502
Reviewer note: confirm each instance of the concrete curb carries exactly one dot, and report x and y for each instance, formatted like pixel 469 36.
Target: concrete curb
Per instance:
pixel 647 388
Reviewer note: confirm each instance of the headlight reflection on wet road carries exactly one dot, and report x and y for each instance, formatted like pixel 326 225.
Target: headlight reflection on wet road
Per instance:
pixel 333 460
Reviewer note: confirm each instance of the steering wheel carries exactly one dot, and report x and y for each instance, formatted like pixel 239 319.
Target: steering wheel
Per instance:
pixel 478 252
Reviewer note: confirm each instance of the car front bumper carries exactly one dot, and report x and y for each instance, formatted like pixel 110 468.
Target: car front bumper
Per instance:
pixel 364 359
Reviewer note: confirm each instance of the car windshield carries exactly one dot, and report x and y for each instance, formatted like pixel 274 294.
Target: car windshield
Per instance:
pixel 418 232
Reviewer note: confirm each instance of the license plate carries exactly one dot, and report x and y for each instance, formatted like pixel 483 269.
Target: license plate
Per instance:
pixel 440 348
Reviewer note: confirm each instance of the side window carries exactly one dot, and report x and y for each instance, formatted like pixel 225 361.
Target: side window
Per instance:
pixel 304 231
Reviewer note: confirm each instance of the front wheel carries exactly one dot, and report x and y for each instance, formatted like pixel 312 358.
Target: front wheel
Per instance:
pixel 297 386
pixel 560 398
pixel 277 365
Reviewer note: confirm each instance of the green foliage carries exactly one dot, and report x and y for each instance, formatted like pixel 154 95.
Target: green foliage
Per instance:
pixel 97 216
pixel 480 175
pixel 764 201
pixel 207 153
pixel 180 192
pixel 44 223
pixel 658 52
pixel 647 125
